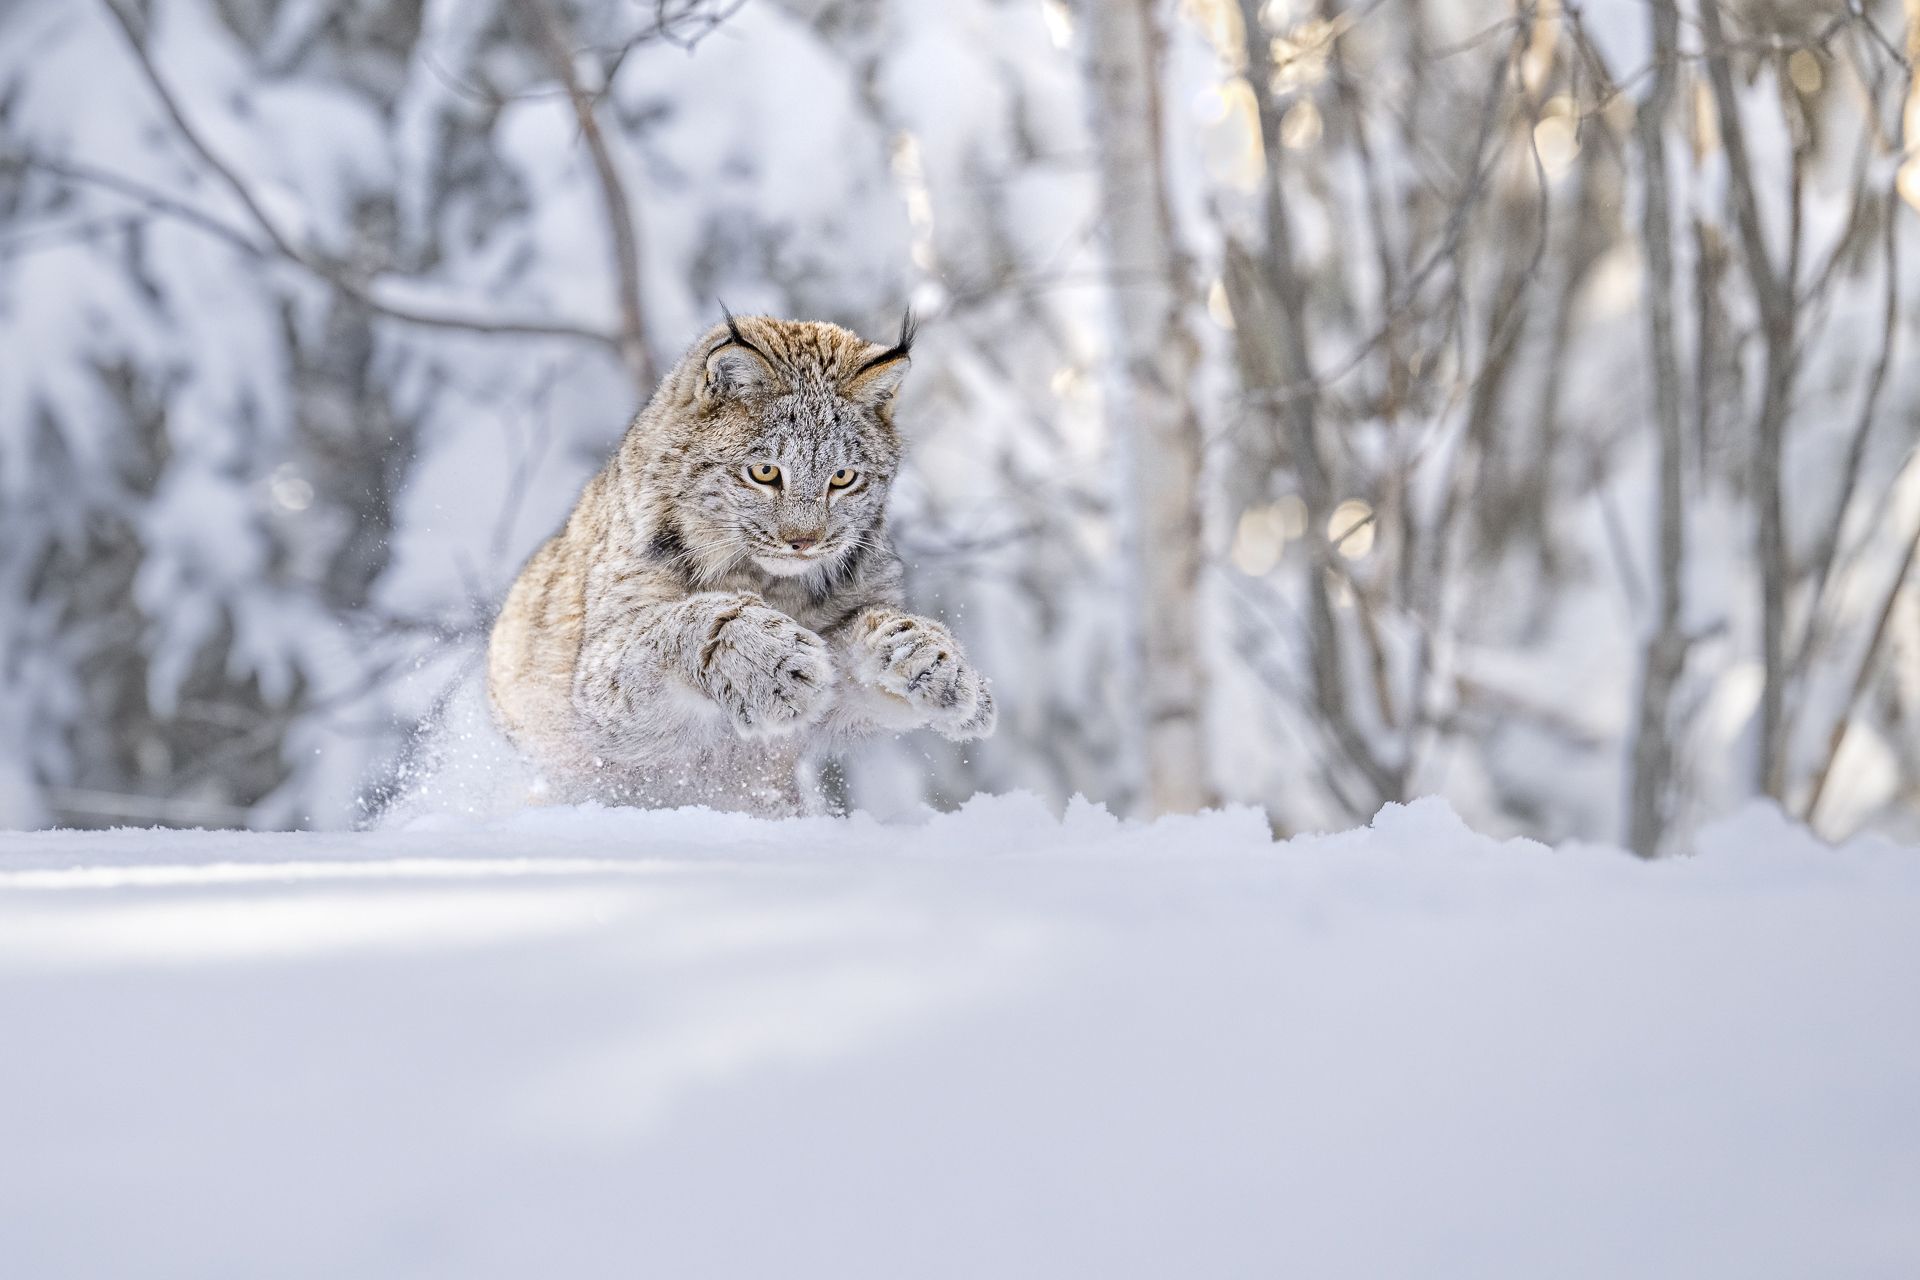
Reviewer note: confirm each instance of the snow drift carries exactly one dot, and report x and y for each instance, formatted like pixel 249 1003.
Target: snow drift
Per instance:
pixel 993 1043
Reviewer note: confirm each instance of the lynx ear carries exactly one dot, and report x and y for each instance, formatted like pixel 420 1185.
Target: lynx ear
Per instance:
pixel 876 381
pixel 736 365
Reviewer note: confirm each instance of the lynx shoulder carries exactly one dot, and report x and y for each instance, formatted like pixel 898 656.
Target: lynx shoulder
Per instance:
pixel 724 599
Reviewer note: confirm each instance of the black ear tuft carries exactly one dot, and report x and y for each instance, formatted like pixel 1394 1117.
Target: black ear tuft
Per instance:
pixel 733 328
pixel 879 377
pixel 901 350
pixel 735 364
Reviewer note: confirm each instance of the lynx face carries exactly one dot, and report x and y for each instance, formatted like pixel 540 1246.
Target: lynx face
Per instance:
pixel 792 449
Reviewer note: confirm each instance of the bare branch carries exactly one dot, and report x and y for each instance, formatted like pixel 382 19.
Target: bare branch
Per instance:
pixel 1827 552
pixel 550 30
pixel 337 274
pixel 1862 677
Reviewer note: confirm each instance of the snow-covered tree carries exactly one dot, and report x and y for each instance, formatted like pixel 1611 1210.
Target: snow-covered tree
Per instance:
pixel 314 316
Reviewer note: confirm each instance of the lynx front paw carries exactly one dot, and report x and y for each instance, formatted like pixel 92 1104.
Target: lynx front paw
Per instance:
pixel 767 672
pixel 917 660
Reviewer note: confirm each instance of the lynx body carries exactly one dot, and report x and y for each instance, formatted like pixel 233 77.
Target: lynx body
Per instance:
pixel 724 599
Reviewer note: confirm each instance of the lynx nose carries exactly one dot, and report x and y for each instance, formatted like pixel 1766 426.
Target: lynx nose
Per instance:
pixel 804 543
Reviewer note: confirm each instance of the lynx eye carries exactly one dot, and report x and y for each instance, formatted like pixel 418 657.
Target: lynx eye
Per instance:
pixel 842 478
pixel 763 473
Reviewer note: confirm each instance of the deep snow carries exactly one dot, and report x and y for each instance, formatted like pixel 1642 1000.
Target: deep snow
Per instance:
pixel 580 1043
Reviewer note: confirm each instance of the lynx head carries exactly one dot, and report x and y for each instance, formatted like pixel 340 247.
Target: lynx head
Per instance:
pixel 785 447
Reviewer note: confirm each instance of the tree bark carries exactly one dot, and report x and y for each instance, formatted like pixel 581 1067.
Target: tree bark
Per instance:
pixel 1150 404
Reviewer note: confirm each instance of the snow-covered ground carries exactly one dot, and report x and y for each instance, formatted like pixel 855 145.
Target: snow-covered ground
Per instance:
pixel 996 1044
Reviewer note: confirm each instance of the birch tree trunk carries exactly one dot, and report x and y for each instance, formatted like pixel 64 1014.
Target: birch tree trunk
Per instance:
pixel 1266 284
pixel 1149 405
pixel 1773 291
pixel 1665 653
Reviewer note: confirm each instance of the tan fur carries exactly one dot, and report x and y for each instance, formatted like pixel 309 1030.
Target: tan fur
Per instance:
pixel 668 646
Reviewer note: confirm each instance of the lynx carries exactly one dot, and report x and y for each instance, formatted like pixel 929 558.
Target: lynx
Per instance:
pixel 724 600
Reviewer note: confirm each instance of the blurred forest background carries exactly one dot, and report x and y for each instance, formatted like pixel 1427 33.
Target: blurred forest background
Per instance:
pixel 1319 402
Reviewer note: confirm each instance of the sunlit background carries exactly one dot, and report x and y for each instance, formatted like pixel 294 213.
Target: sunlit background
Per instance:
pixel 1514 402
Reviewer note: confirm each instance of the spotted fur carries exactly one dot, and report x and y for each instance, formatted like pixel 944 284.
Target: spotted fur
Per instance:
pixel 669 646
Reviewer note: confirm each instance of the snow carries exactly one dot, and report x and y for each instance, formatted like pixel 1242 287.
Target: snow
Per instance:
pixel 997 1042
